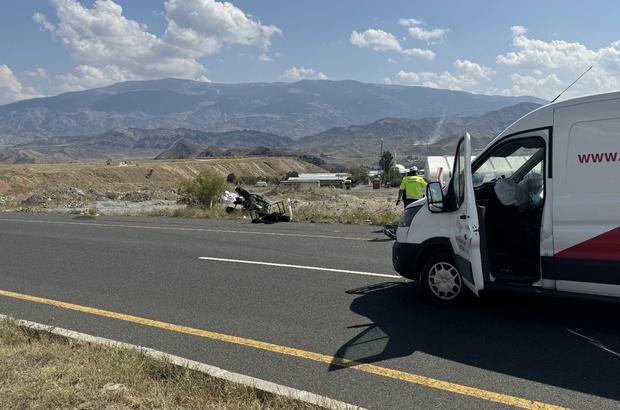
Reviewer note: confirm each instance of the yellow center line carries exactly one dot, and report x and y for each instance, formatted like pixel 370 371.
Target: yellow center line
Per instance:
pixel 189 229
pixel 290 351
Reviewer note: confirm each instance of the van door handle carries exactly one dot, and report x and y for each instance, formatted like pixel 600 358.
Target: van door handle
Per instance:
pixel 463 216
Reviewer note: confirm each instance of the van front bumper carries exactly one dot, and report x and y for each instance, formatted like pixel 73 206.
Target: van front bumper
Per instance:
pixel 402 259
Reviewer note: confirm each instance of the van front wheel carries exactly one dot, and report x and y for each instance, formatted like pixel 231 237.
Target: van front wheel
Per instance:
pixel 442 282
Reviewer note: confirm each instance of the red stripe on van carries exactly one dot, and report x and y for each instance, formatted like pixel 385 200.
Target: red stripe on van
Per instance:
pixel 602 247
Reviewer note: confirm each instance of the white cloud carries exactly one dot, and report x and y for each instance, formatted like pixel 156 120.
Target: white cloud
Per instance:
pixel 11 89
pixel 410 22
pixel 444 80
pixel 265 58
pixel 538 53
pixel 467 75
pixel 473 70
pixel 518 30
pixel 428 79
pixel 112 48
pixel 38 73
pixel 102 35
pixel 301 73
pixel 524 84
pixel 42 21
pixel 86 77
pixel 427 35
pixel 556 64
pixel 408 77
pixel 379 40
pixel 205 26
pixel 428 54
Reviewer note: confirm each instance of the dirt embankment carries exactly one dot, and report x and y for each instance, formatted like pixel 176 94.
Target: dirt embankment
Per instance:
pixel 77 184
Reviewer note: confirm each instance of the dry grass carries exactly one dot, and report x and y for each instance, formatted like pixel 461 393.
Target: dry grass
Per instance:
pixel 330 205
pixel 39 370
pixel 321 205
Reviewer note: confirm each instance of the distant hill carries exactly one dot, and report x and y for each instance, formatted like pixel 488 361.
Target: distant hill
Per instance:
pixel 185 149
pixel 359 144
pixel 135 138
pixel 182 149
pixel 292 110
pixel 407 139
pixel 425 129
pixel 211 151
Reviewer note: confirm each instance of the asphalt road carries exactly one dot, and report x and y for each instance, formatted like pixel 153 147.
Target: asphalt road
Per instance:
pixel 316 307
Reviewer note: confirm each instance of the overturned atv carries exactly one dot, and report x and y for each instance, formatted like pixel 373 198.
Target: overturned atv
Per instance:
pixel 259 209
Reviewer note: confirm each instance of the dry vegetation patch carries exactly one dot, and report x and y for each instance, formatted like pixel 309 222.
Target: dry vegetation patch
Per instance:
pixel 39 370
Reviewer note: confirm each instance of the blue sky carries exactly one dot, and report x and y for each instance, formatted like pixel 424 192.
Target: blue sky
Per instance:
pixel 536 48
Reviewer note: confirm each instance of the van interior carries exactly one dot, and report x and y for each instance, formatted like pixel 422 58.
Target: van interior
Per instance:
pixel 509 189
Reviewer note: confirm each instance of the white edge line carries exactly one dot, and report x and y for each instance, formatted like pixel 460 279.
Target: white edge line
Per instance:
pixel 212 371
pixel 283 265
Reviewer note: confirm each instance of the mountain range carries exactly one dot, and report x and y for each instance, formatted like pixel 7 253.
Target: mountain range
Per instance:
pixel 293 110
pixel 341 120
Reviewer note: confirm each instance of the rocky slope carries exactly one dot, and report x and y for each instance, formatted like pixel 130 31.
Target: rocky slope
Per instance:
pixel 73 185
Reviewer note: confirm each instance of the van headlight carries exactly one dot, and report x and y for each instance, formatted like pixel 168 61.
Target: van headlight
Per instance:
pixel 407 216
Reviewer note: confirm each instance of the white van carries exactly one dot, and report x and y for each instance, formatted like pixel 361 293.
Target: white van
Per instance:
pixel 260 184
pixel 538 210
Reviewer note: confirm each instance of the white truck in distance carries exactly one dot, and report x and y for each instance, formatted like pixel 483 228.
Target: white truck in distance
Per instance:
pixel 550 225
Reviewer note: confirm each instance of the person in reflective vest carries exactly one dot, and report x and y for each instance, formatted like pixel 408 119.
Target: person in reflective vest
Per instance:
pixel 411 188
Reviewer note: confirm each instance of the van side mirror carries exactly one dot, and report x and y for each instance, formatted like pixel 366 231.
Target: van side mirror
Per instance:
pixel 434 197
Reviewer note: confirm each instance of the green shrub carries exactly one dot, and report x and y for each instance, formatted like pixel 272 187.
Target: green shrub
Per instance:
pixel 395 178
pixel 358 173
pixel 290 174
pixel 205 190
pixel 248 180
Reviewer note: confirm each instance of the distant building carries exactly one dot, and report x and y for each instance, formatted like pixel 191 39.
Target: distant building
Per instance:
pixel 401 169
pixel 317 180
pixel 305 184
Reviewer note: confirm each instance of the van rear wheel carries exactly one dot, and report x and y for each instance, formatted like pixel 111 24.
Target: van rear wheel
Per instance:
pixel 442 282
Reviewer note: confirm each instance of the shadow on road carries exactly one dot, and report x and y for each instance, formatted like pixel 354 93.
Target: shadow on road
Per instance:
pixel 565 343
pixel 384 239
pixel 85 217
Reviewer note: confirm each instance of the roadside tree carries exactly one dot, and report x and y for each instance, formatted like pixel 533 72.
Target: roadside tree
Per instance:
pixel 358 173
pixel 387 162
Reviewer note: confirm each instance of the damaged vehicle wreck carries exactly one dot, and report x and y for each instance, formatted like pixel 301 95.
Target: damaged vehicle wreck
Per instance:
pixel 258 208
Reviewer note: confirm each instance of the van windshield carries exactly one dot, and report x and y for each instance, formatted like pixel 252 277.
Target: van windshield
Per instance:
pixel 510 160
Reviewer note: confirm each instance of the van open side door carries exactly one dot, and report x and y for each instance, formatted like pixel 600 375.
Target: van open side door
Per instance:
pixel 465 232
